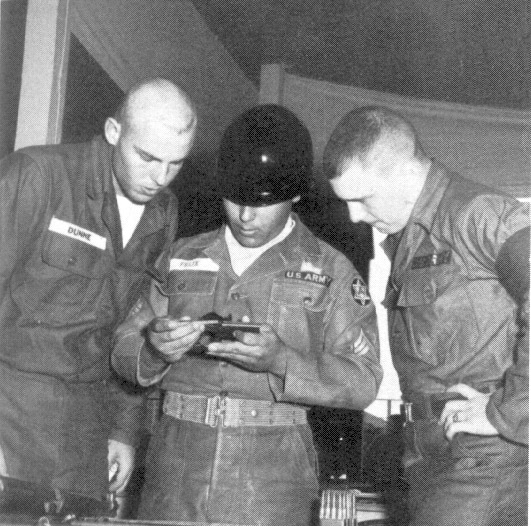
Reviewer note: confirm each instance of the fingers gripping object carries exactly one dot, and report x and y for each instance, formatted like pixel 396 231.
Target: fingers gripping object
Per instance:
pixel 218 329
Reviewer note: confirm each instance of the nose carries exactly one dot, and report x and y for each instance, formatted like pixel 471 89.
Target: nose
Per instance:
pixel 161 174
pixel 356 211
pixel 246 214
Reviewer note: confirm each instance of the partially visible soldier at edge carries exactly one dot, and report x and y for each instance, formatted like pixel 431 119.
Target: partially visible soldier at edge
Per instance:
pixel 233 445
pixel 80 224
pixel 458 306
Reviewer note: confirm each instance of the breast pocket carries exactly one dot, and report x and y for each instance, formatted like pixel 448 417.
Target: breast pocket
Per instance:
pixel 190 293
pixel 67 285
pixel 428 314
pixel 296 311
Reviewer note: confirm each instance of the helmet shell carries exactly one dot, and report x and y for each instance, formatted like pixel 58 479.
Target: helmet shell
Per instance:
pixel 265 157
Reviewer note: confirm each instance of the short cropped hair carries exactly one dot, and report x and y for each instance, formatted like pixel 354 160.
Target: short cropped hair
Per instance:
pixel 361 129
pixel 124 111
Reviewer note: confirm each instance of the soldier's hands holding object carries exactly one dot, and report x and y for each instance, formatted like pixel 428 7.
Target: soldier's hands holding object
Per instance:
pixel 258 352
pixel 171 338
pixel 467 416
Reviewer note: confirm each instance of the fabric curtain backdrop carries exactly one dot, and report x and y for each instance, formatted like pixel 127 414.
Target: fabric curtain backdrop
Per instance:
pixel 489 145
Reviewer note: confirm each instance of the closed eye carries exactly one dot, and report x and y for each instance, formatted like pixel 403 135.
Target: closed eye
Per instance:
pixel 145 156
pixel 148 158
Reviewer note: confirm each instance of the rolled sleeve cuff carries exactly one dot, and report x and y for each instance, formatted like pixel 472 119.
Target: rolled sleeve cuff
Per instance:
pixel 119 435
pixel 150 368
pixel 328 381
pixel 511 420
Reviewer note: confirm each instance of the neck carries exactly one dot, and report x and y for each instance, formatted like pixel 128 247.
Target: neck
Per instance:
pixel 417 178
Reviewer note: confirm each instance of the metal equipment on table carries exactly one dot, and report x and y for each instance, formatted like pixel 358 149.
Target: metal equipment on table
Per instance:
pixel 128 522
pixel 25 499
pixel 45 520
pixel 351 507
pixel 24 503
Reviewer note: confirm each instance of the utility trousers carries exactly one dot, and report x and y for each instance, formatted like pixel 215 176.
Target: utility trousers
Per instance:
pixel 471 480
pixel 245 475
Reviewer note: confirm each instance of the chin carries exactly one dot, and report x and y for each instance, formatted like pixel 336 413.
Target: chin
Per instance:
pixel 140 199
pixel 249 243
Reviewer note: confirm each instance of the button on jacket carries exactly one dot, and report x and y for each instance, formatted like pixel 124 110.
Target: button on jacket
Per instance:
pixel 450 319
pixel 302 287
pixel 65 281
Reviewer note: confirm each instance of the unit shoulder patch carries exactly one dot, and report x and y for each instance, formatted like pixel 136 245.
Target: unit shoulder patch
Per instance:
pixel 360 292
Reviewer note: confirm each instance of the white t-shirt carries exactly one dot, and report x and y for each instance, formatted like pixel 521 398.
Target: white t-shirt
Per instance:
pixel 130 214
pixel 242 258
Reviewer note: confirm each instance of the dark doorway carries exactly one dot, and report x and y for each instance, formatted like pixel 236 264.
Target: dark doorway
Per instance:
pixel 91 95
pixel 13 31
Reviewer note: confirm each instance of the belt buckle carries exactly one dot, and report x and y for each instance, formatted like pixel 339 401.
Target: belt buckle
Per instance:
pixel 216 410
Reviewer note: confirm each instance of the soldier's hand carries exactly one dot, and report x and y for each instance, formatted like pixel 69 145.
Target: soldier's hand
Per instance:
pixel 466 416
pixel 258 352
pixel 171 338
pixel 121 459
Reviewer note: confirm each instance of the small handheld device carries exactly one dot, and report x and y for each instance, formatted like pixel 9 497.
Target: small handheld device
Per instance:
pixel 218 328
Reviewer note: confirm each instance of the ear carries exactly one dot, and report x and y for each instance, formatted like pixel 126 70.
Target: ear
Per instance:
pixel 112 130
pixel 296 199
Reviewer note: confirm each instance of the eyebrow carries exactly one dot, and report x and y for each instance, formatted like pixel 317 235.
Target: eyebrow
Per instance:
pixel 153 158
pixel 357 198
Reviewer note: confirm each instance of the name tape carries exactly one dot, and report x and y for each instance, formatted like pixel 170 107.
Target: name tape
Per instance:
pixel 76 232
pixel 432 260
pixel 194 264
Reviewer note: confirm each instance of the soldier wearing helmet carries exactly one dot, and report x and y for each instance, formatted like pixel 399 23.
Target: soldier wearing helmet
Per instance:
pixel 233 444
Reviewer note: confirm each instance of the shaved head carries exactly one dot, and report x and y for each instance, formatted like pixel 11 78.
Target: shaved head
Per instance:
pixel 151 133
pixel 158 100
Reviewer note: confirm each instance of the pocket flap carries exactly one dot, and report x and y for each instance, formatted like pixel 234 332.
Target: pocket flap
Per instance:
pixel 189 282
pixel 311 297
pixel 423 286
pixel 74 256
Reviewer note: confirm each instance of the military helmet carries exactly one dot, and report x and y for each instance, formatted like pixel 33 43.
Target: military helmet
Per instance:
pixel 265 157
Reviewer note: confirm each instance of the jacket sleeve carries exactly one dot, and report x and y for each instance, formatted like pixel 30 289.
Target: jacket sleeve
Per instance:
pixel 496 231
pixel 344 371
pixel 128 411
pixel 132 357
pixel 24 197
pixel 508 408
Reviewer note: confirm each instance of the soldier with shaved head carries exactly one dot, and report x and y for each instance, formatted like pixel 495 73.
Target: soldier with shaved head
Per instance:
pixel 80 227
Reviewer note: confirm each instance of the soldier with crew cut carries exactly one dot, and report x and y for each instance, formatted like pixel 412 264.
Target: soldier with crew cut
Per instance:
pixel 458 307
